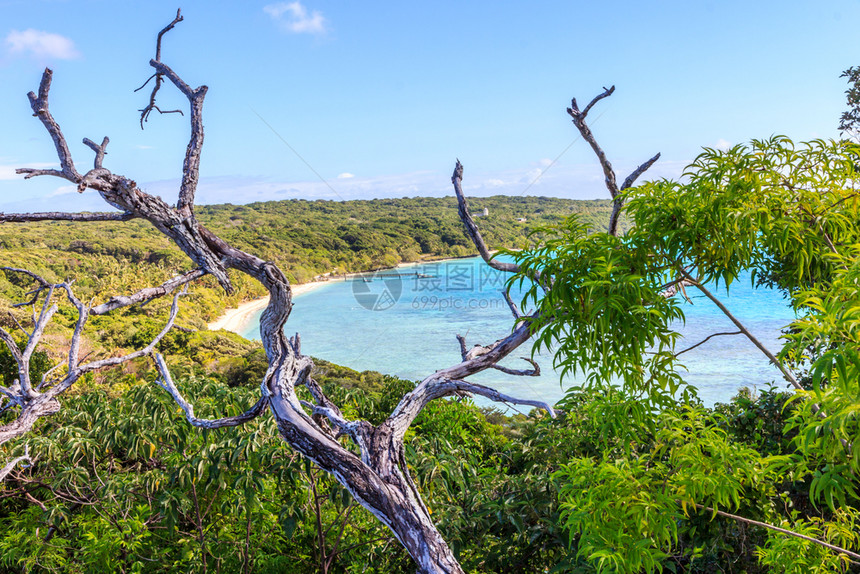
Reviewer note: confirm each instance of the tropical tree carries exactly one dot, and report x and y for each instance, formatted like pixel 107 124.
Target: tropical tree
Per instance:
pixel 785 213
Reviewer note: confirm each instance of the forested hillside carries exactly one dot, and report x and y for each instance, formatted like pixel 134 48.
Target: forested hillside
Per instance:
pixel 305 239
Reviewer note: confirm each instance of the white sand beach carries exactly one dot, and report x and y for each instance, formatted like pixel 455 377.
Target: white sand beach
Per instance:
pixel 236 320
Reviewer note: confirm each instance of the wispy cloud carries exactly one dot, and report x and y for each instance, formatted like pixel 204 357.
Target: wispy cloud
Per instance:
pixel 576 181
pixel 346 175
pixel 723 144
pixel 40 45
pixel 293 17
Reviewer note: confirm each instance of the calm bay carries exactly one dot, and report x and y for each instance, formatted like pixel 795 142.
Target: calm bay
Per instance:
pixel 403 322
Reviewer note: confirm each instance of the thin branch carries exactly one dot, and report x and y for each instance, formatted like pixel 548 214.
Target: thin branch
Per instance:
pixel 585 131
pixel 606 93
pixel 144 113
pixel 631 179
pixel 147 294
pixel 777 363
pixel 38 278
pixel 166 383
pixel 191 166
pixel 533 372
pixel 608 171
pixel 513 306
pixel 827 545
pixel 706 339
pixel 472 229
pixel 114 361
pixel 450 387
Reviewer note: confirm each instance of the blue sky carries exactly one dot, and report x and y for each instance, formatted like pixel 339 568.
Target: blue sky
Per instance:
pixel 380 98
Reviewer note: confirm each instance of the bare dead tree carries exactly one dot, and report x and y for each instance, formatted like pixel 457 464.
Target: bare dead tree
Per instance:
pixel 35 400
pixel 377 477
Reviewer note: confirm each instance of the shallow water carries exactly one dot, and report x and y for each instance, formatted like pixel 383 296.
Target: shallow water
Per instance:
pixel 405 325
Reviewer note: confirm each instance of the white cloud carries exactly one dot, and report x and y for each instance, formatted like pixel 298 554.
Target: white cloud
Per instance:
pixel 40 45
pixel 346 175
pixel 532 176
pixel 545 162
pixel 723 144
pixel 294 17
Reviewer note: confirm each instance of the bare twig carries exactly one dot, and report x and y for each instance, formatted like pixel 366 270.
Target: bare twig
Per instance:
pixel 39 104
pixel 608 171
pixel 827 545
pixel 99 149
pixel 706 339
pixel 144 113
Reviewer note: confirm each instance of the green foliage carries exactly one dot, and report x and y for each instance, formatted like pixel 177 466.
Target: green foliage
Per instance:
pixel 788 214
pixel 602 309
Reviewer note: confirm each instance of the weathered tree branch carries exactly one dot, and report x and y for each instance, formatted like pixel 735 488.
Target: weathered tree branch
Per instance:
pixel 472 229
pixel 147 294
pixel 39 104
pixel 608 171
pixel 58 216
pixel 706 339
pixel 144 113
pixel 99 149
pixel 35 403
pixel 166 383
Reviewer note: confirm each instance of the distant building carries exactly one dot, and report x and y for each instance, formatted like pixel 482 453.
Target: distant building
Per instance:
pixel 484 213
pixel 521 219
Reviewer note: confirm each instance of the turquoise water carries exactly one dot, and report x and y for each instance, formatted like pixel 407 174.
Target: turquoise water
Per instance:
pixel 405 325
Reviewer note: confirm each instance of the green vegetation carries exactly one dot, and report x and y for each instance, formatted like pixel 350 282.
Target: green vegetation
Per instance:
pixel 669 477
pixel 305 239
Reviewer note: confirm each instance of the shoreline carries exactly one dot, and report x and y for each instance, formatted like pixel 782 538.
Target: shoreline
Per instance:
pixel 236 319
